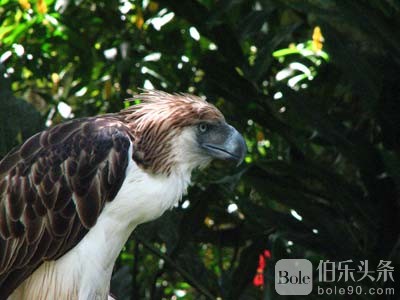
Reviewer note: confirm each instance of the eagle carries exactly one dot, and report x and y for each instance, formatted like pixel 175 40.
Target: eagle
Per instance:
pixel 71 195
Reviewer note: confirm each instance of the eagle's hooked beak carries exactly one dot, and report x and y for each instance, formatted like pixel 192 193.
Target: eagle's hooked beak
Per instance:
pixel 222 141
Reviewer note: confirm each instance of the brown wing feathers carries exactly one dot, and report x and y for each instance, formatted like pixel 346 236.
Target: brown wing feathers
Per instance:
pixel 52 190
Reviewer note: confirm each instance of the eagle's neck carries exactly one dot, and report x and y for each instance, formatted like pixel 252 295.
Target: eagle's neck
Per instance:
pixel 143 197
pixel 85 271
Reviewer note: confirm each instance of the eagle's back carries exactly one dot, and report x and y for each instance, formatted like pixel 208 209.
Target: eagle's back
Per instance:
pixel 52 190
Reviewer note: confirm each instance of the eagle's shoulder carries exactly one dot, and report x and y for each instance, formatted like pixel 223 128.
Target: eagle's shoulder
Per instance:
pixel 52 190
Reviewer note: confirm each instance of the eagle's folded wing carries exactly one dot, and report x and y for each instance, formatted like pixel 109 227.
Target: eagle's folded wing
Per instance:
pixel 52 190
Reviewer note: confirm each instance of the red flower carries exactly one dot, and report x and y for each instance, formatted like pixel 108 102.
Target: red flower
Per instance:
pixel 258 279
pixel 267 254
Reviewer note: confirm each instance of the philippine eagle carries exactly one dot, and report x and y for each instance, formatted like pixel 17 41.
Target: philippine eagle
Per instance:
pixel 71 195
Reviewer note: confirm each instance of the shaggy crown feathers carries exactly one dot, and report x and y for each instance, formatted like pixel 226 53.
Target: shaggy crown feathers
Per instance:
pixel 157 119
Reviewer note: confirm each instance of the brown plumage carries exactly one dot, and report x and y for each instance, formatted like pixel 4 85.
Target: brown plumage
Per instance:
pixel 53 187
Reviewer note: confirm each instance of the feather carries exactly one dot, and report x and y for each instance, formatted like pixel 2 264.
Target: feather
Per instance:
pixel 4 232
pixel 30 147
pixel 33 225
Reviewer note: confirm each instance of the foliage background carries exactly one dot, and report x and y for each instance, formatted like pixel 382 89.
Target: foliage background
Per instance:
pixel 320 114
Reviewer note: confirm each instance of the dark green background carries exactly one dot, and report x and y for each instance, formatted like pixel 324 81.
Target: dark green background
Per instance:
pixel 327 149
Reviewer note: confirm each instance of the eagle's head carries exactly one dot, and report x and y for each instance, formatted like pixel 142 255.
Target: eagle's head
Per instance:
pixel 180 132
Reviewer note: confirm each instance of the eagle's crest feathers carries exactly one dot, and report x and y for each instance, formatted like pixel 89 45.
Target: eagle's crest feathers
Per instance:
pixel 158 119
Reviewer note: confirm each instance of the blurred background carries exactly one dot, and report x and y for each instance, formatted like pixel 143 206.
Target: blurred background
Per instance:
pixel 312 84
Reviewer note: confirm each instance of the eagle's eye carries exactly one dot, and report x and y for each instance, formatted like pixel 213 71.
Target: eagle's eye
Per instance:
pixel 203 127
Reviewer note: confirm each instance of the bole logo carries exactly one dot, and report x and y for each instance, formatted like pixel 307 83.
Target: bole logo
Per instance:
pixel 293 277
